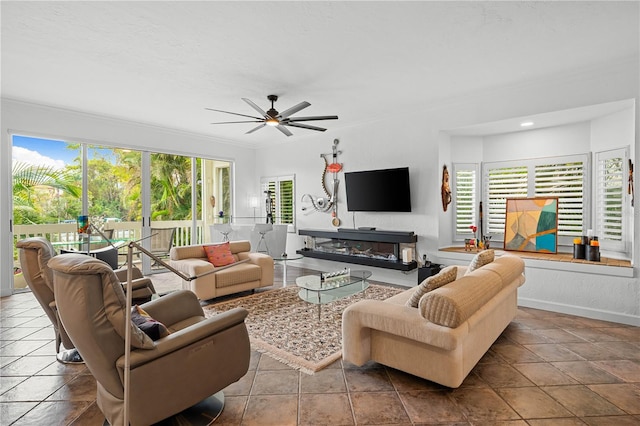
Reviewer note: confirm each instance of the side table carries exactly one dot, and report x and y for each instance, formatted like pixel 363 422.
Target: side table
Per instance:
pixel 427 271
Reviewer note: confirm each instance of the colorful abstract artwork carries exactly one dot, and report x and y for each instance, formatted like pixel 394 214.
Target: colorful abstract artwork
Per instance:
pixel 531 224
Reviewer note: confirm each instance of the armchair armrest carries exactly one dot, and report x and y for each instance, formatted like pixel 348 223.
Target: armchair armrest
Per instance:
pixel 174 307
pixel 185 337
pixel 139 283
pixel 121 273
pixel 260 259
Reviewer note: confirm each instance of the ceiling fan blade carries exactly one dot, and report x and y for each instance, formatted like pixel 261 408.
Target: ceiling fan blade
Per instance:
pixel 256 128
pixel 314 118
pixel 256 107
pixel 306 126
pixel 233 122
pixel 294 109
pixel 234 113
pixel 284 130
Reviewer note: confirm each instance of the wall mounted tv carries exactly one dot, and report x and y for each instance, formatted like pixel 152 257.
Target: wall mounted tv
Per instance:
pixel 385 190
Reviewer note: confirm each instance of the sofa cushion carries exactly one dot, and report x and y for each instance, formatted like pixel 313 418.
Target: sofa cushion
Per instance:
pixel 238 274
pixel 445 276
pixel 479 260
pixel 453 304
pixel 219 254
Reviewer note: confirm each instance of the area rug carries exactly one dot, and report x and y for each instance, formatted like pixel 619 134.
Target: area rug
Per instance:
pixel 285 327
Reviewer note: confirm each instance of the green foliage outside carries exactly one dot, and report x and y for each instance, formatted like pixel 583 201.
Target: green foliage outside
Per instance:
pixel 43 195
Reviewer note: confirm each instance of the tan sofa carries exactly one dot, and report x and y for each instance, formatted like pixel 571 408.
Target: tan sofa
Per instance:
pixel 444 338
pixel 255 272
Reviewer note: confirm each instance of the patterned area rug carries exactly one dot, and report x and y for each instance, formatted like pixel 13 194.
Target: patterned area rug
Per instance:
pixel 285 327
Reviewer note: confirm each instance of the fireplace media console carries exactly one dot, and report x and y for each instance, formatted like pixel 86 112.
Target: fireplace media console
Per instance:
pixel 382 249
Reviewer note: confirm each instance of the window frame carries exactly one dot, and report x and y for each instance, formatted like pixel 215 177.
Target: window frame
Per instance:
pixel 624 245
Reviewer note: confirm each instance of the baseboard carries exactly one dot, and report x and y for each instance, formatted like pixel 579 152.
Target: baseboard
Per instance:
pixel 580 311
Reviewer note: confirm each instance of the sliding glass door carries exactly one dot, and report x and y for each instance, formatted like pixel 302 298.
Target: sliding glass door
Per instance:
pixel 157 199
pixel 46 193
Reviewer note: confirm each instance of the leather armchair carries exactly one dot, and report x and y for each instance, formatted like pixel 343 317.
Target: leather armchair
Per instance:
pixel 199 358
pixel 34 253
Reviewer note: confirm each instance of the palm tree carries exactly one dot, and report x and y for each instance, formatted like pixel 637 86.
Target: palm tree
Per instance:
pixel 28 178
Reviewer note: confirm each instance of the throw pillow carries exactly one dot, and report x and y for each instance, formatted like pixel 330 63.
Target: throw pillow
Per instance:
pixel 479 260
pixel 151 327
pixel 220 254
pixel 445 276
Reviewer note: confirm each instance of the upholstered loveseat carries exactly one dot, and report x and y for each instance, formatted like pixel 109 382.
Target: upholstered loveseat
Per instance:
pixel 446 335
pixel 253 270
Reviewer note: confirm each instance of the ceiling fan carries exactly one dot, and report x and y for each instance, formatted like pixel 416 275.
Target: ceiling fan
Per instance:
pixel 278 119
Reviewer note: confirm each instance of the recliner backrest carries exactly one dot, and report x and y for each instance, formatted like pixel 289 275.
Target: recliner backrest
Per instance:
pixel 34 254
pixel 92 306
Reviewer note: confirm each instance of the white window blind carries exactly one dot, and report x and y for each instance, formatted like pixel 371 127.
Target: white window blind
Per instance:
pixel 502 183
pixel 609 198
pixel 565 181
pixel 465 198
pixel 282 190
pixel 563 177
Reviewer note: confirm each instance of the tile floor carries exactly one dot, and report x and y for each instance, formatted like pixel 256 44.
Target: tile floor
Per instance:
pixel 546 369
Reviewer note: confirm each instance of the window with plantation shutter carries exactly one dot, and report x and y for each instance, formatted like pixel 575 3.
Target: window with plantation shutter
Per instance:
pixel 465 198
pixel 565 181
pixel 610 187
pixel 282 190
pixel 501 183
pixel 564 177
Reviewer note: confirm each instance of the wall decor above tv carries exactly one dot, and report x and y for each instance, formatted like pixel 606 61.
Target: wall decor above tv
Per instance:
pixel 384 190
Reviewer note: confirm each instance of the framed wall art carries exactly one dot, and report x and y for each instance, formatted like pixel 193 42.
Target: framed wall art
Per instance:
pixel 531 224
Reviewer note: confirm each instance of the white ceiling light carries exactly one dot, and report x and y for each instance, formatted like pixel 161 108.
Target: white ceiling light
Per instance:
pixel 526 124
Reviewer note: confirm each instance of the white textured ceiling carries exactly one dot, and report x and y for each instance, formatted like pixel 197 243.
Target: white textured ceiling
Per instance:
pixel 162 63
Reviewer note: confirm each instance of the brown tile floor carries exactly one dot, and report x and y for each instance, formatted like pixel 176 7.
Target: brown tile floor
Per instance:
pixel 545 369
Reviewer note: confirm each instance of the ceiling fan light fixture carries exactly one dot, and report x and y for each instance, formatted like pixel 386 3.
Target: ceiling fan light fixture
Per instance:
pixel 273 118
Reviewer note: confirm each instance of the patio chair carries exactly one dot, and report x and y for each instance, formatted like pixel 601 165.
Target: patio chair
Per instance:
pixel 196 358
pixel 161 242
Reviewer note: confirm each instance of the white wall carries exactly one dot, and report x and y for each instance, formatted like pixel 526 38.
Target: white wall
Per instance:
pixel 416 139
pixel 410 138
pixel 553 141
pixel 35 120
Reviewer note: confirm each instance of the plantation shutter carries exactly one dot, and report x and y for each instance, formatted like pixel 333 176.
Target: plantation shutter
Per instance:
pixel 565 181
pixel 502 183
pixel 283 196
pixel 465 198
pixel 609 201
pixel 286 201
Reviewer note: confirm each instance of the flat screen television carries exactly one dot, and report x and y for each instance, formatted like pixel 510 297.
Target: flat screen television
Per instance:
pixel 385 190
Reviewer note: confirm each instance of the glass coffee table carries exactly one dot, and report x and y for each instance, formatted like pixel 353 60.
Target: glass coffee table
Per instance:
pixel 318 292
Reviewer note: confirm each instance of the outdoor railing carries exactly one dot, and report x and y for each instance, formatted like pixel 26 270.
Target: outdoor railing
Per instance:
pixel 61 233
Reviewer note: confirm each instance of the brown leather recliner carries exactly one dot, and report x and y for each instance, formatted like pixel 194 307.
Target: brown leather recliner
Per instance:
pixel 34 253
pixel 200 357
